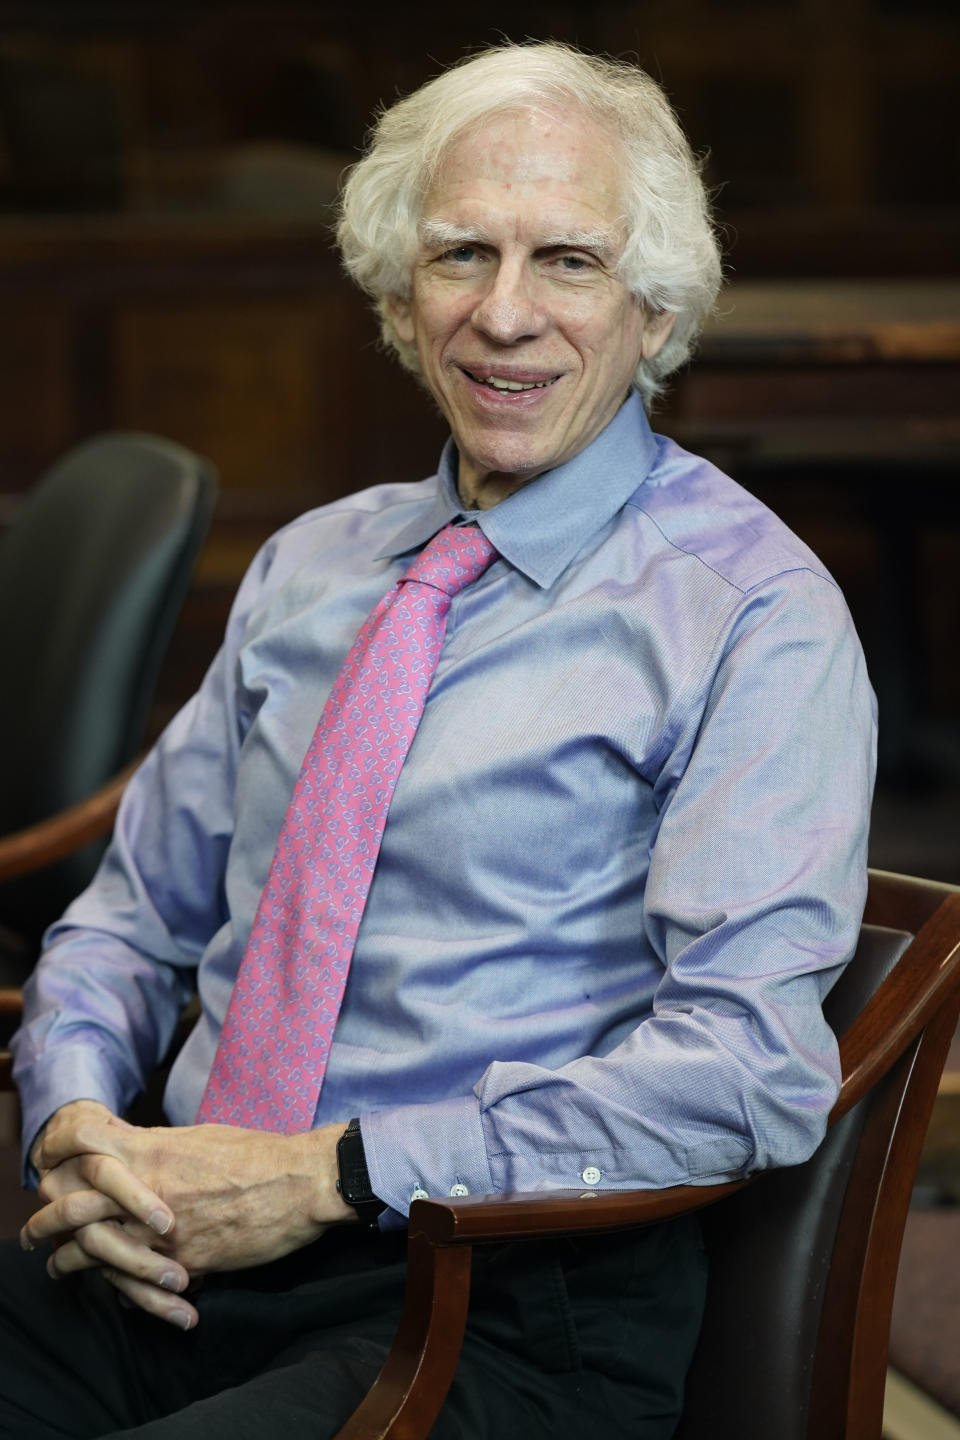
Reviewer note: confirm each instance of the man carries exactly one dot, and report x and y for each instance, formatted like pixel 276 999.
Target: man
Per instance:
pixel 622 861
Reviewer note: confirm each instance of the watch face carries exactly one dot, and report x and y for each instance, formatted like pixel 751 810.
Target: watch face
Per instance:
pixel 353 1175
pixel 352 1165
pixel 353 1181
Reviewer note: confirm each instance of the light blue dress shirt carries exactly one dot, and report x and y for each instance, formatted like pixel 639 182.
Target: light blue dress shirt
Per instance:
pixel 624 861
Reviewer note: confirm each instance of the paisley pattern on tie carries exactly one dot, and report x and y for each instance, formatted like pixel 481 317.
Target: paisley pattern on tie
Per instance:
pixel 277 1033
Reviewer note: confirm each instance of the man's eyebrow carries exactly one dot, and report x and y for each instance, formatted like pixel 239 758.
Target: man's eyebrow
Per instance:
pixel 604 243
pixel 442 235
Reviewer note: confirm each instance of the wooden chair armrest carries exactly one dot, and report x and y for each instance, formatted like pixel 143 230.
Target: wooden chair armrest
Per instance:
pixel 59 835
pixel 899 1009
pixel 11 1003
pixel 11 1000
pixel 493 1219
pixel 38 846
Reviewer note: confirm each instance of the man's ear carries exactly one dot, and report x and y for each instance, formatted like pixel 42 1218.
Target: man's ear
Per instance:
pixel 401 316
pixel 656 332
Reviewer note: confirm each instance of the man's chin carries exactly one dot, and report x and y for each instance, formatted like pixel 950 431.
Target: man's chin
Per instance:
pixel 490 483
pixel 514 458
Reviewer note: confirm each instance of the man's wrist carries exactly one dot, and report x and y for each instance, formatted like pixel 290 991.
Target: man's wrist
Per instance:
pixel 320 1165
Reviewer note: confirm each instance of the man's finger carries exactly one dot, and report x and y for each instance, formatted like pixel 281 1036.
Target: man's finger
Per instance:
pixel 69 1258
pixel 72 1129
pixel 113 1179
pixel 175 1310
pixel 115 1246
pixel 82 1131
pixel 68 1213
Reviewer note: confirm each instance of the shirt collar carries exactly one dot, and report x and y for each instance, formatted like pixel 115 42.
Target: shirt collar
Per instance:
pixel 541 527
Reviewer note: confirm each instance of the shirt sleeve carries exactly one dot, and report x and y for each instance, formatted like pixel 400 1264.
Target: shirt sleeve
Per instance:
pixel 752 904
pixel 103 1002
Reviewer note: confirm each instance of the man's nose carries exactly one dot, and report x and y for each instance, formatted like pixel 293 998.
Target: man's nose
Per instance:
pixel 509 311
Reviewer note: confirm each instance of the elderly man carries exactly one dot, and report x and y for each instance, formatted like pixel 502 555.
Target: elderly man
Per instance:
pixel 534 877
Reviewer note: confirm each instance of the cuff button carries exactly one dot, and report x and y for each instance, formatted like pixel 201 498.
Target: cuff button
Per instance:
pixel 591 1176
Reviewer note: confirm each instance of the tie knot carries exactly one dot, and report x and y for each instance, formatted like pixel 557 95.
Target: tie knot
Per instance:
pixel 454 558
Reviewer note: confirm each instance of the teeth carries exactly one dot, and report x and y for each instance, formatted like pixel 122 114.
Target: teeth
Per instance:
pixel 496 383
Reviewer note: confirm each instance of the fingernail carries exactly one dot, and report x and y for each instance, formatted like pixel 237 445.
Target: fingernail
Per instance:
pixel 184 1320
pixel 160 1221
pixel 25 1242
pixel 170 1280
pixel 51 1269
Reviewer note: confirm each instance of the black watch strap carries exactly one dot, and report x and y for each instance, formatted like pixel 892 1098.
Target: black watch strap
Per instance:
pixel 353 1181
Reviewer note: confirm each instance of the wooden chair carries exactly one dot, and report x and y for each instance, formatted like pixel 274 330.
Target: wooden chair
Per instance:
pixel 803 1260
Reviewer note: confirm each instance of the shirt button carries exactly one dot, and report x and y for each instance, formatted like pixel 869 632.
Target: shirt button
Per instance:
pixel 591 1176
pixel 459 1189
pixel 419 1194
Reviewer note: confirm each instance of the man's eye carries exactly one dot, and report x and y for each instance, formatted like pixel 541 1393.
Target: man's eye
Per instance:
pixel 461 254
pixel 574 264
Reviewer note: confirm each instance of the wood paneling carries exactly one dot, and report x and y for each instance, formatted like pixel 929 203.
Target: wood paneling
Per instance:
pixel 36 384
pixel 242 340
pixel 238 380
pixel 842 107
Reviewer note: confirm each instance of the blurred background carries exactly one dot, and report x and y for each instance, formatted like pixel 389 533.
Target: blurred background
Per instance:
pixel 166 177
pixel 167 172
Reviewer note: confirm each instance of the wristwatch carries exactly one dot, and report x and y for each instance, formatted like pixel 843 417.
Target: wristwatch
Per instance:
pixel 353 1181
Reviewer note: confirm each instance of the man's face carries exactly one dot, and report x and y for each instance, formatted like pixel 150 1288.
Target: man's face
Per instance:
pixel 526 335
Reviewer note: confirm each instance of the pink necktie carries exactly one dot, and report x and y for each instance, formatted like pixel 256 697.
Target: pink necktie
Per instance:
pixel 276 1036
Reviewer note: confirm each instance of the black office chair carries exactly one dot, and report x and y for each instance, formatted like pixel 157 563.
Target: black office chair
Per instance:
pixel 93 573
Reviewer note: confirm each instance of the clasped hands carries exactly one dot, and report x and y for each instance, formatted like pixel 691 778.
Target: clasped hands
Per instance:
pixel 156 1208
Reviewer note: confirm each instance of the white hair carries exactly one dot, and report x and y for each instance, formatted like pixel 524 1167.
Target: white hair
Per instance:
pixel 671 260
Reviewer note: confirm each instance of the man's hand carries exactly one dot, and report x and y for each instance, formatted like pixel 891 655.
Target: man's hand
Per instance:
pixel 62 1128
pixel 71 1145
pixel 70 1165
pixel 239 1197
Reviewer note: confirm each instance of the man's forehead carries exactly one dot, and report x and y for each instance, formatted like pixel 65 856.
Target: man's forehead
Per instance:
pixel 533 148
pixel 560 180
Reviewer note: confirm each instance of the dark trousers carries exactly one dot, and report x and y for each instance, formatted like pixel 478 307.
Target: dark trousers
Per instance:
pixel 565 1339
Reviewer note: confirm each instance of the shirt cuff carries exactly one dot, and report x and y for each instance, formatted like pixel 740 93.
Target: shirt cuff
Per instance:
pixel 76 1073
pixel 415 1152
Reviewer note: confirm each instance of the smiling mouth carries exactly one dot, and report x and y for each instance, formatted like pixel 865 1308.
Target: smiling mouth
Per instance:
pixel 502 383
